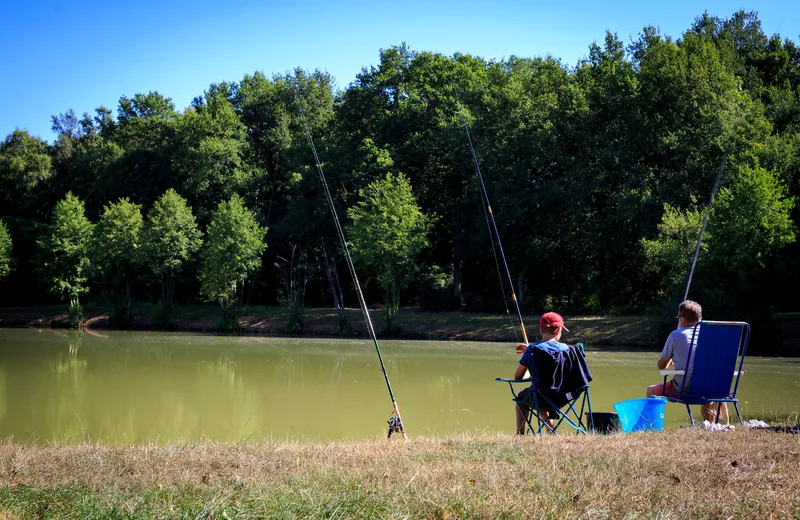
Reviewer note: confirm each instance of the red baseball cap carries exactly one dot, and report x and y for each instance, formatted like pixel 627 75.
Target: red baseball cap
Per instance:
pixel 552 319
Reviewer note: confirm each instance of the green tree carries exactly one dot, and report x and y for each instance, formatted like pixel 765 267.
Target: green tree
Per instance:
pixel 5 251
pixel 24 165
pixel 170 239
pixel 64 253
pixel 750 225
pixel 232 252
pixel 115 253
pixel 387 233
pixel 669 255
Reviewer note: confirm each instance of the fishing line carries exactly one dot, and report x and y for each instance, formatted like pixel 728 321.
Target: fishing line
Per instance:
pixel 395 422
pixel 499 273
pixel 488 209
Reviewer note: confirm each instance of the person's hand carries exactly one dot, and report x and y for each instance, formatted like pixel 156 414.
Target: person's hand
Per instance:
pixel 521 348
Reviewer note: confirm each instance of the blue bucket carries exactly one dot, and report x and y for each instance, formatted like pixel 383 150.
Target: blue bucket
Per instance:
pixel 638 415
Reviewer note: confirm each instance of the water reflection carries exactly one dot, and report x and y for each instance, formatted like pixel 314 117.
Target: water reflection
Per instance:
pixel 69 363
pixel 133 387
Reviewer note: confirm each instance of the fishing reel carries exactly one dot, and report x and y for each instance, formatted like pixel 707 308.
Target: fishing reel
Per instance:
pixel 395 425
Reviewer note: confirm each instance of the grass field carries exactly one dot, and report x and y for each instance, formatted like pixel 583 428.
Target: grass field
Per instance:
pixel 679 473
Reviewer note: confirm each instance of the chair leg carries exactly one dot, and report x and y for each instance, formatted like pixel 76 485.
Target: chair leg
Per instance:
pixel 559 416
pixel 738 413
pixel 579 428
pixel 534 412
pixel 528 418
pixel 545 423
pixel 564 415
pixel 521 418
pixel 541 424
pixel 689 411
pixel 581 421
pixel 591 417
pixel 581 414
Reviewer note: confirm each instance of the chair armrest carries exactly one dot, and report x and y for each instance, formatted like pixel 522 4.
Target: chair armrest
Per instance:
pixel 682 372
pixel 504 380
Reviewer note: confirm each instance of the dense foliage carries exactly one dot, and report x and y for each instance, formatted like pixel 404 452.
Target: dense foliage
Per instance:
pixel 599 176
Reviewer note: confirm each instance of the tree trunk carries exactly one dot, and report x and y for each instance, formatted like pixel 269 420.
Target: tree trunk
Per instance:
pixel 456 270
pixel 168 291
pixel 395 302
pixel 333 282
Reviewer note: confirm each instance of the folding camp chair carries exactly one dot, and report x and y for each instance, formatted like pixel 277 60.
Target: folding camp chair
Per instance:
pixel 712 375
pixel 558 380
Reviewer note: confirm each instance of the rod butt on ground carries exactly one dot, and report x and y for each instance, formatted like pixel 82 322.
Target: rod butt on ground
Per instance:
pixel 396 423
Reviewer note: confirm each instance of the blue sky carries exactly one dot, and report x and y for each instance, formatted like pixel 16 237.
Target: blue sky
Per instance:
pixel 59 55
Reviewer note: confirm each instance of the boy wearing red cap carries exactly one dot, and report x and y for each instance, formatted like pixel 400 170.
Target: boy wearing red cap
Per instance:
pixel 551 325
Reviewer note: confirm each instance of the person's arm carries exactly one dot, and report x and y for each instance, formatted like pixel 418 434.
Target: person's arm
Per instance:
pixel 520 373
pixel 521 348
pixel 666 354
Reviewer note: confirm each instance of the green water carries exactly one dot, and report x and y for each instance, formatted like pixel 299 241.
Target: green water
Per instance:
pixel 133 387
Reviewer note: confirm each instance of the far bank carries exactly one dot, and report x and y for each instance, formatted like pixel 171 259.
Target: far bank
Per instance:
pixel 634 332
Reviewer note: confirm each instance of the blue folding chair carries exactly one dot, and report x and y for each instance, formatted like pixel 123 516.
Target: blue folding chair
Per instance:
pixel 712 375
pixel 557 380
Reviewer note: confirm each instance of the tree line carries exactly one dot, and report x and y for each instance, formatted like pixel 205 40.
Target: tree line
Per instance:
pixel 599 175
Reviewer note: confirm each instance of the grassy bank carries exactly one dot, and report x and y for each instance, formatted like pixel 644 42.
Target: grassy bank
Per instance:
pixel 675 474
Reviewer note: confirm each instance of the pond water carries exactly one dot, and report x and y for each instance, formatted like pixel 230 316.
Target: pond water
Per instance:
pixel 131 387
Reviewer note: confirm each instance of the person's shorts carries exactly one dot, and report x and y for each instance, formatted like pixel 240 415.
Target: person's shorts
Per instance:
pixel 661 389
pixel 555 400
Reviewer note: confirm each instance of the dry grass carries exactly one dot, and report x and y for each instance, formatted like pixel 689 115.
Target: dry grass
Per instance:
pixel 676 474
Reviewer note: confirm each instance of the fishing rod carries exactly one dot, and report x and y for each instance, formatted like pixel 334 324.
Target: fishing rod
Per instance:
pixel 395 421
pixel 703 227
pixel 493 224
pixel 710 205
